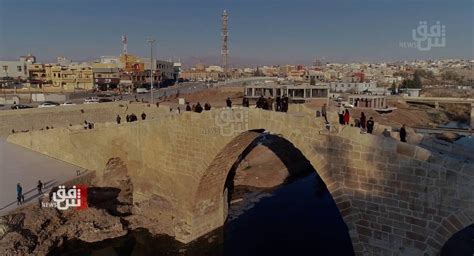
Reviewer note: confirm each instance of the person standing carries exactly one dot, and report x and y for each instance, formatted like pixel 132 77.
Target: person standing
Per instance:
pixel 363 121
pixel 118 119
pixel 341 114
pixel 19 194
pixel 278 103
pixel 403 134
pixel 228 102
pixel 324 113
pixel 347 117
pixel 370 125
pixel 198 108
pixel 39 187
pixel 285 103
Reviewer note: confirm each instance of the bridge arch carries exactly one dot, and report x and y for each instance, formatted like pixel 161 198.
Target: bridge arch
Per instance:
pixel 211 196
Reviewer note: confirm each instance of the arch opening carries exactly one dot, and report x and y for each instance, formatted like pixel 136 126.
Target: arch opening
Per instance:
pixel 298 192
pixel 461 243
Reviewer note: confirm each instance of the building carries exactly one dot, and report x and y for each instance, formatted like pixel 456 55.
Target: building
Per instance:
pixel 368 101
pixel 106 75
pixel 352 87
pixel 14 69
pixel 296 75
pixel 70 78
pixel 131 63
pixel 165 69
pixel 298 93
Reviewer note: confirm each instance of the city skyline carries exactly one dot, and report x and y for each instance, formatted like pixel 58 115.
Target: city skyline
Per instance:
pixel 283 32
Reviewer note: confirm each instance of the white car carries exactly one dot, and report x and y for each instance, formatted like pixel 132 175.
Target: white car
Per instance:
pixel 91 100
pixel 347 105
pixel 68 103
pixel 48 105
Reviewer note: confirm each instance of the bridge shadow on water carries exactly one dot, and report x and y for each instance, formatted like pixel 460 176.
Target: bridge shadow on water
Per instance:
pixel 298 217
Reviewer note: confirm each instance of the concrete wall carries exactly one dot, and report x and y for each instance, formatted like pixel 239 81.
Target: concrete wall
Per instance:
pixel 395 198
pixel 62 116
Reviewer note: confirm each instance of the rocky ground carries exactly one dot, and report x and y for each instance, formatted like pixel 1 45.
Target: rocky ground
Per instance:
pixel 36 230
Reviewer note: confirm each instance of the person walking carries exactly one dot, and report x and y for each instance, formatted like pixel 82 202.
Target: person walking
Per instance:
pixel 39 187
pixel 86 125
pixel 403 134
pixel 119 119
pixel 324 113
pixel 347 117
pixel 228 102
pixel 370 125
pixel 19 194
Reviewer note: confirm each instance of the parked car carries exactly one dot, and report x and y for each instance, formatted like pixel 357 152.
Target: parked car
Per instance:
pixel 102 100
pixel 20 106
pixel 48 104
pixel 68 103
pixel 346 104
pixel 142 90
pixel 91 100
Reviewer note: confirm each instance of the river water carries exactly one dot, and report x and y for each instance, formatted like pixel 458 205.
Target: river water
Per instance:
pixel 296 218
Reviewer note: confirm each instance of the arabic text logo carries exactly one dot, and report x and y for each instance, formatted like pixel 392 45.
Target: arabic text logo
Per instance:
pixel 232 121
pixel 426 37
pixel 64 199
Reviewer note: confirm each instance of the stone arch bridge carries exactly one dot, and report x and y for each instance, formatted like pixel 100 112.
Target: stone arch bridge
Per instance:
pixel 395 198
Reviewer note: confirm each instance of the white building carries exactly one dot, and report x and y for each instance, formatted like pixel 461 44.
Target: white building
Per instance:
pixel 352 87
pixel 214 69
pixel 16 69
pixel 166 68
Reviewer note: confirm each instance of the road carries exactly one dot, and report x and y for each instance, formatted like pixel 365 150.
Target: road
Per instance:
pixel 184 88
pixel 18 164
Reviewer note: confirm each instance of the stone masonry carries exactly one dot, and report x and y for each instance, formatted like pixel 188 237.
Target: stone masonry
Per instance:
pixel 395 198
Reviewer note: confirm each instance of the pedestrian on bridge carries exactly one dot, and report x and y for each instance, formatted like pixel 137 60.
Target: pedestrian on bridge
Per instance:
pixel 370 125
pixel 39 187
pixel 347 117
pixel 198 108
pixel 19 194
pixel 403 134
pixel 323 112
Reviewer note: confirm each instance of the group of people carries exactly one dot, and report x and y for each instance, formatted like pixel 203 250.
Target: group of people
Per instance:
pixel 130 118
pixel 20 197
pixel 88 125
pixel 345 117
pixel 196 108
pixel 364 124
pixel 281 103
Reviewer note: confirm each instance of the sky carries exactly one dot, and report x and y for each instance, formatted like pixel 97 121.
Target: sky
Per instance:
pixel 260 31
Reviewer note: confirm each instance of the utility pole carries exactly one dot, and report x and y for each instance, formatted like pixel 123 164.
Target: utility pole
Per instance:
pixel 225 40
pixel 151 41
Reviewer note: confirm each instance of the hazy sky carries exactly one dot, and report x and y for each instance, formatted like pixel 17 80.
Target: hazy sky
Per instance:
pixel 266 30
